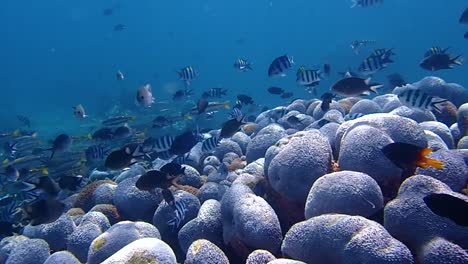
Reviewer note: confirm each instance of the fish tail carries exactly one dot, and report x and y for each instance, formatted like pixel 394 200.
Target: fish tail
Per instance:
pixel 457 60
pixel 373 87
pixel 428 162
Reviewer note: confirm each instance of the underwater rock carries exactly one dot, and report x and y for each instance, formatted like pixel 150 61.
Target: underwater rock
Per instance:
pixel 96 218
pixel 361 151
pixel 297 106
pixel 454 173
pixel 226 146
pixel 211 160
pixel 463 143
pixel 295 162
pixel 104 194
pixel 242 140
pixel 80 240
pixel 448 113
pixel 7 244
pixel 392 105
pixel 441 130
pixel 365 106
pixel 191 177
pixel 209 169
pixel 135 170
pixel 348 102
pixel 415 114
pixel 311 108
pixel 344 192
pixel 255 168
pixel 208 191
pixel 260 256
pixel 144 250
pixel 337 238
pixel 85 198
pixel 229 157
pixel 134 204
pixel 109 210
pixel 434 141
pixel 29 251
pixel 250 220
pixel 408 219
pixel 319 113
pixel 329 131
pixel 439 251
pixel 207 225
pixel 118 236
pixel 285 261
pixel 62 257
pixel 462 119
pixel 399 129
pixel 455 131
pixel 384 99
pixel 263 140
pixel 55 233
pixel 203 251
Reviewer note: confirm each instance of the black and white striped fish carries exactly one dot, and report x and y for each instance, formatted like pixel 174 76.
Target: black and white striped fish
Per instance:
pixel 357 45
pixel 374 64
pixel 96 152
pixel 242 65
pixel 365 3
pixel 163 143
pixel 280 65
pixel 383 53
pixel 179 207
pixel 215 93
pixel 181 159
pixel 416 98
pixel 187 74
pixel 435 51
pixel 210 144
pixel 353 116
pixel 236 113
pixel 307 77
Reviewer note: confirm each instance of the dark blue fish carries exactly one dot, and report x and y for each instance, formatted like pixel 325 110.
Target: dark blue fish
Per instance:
pixel 184 143
pixel 62 143
pixel 120 27
pixel 448 206
pixel 24 119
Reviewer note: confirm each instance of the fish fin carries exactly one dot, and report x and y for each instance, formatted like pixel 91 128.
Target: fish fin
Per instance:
pixel 226 105
pixel 5 161
pixel 367 81
pixel 435 102
pixel 365 93
pixel 457 60
pixel 374 87
pixel 436 163
pixel 16 133
pixel 354 3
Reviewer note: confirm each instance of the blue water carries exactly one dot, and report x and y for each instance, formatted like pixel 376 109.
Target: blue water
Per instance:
pixel 56 54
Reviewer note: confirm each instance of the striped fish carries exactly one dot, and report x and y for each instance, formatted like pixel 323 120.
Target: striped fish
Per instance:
pixel 163 143
pixel 236 113
pixel 187 74
pixel 242 65
pixel 215 93
pixel 280 65
pixel 416 98
pixel 180 209
pixel 210 144
pixel 365 3
pixel 374 64
pixel 182 159
pixel 435 51
pixel 357 45
pixel 308 78
pixel 96 152
pixel 383 53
